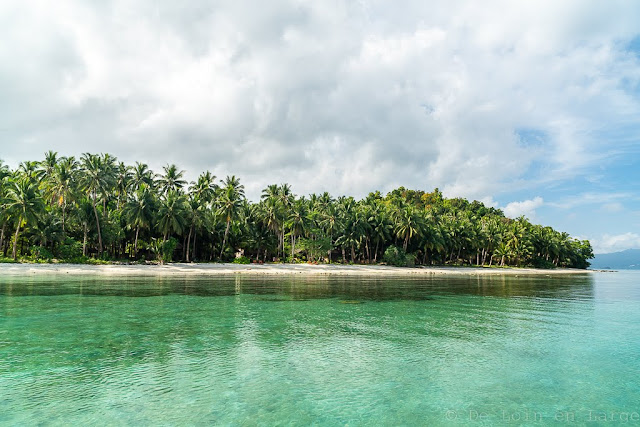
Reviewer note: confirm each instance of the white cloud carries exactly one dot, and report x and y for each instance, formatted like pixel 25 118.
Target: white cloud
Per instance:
pixel 526 208
pixel 612 207
pixel 615 243
pixel 609 200
pixel 346 96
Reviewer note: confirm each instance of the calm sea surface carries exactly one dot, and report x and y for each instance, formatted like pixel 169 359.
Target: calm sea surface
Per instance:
pixel 324 351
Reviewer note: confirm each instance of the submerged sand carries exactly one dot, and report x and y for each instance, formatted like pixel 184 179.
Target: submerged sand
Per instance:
pixel 268 269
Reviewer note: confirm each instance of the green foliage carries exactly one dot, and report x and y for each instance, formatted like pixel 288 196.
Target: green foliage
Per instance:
pixel 410 260
pixel 168 248
pixel 69 249
pixel 241 260
pixel 88 261
pixel 97 207
pixel 39 253
pixel 315 248
pixel 395 256
pixel 542 263
pixel 163 249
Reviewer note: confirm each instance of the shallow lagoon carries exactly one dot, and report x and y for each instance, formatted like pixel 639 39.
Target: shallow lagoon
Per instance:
pixel 324 350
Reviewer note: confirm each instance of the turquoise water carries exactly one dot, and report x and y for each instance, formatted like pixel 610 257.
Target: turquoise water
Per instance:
pixel 324 351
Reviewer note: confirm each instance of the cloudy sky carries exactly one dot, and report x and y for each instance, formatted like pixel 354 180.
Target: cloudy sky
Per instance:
pixel 530 106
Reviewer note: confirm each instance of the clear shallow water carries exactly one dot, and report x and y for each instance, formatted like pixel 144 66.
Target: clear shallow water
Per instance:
pixel 324 351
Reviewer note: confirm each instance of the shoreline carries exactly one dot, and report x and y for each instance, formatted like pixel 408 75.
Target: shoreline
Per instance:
pixel 272 269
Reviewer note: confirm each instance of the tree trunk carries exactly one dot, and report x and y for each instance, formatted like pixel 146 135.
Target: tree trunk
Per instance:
pixel 224 240
pixel 189 243
pixel 15 238
pixel 375 254
pixel 406 242
pixel 293 245
pixel 195 235
pixel 2 236
pixel 135 245
pixel 353 254
pixel 344 257
pixel 95 212
pixel 84 242
pixel 366 246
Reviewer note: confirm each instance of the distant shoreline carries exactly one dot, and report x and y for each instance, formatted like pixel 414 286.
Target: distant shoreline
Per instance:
pixel 271 269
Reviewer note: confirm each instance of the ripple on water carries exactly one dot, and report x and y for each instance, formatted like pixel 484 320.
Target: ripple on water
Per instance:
pixel 323 350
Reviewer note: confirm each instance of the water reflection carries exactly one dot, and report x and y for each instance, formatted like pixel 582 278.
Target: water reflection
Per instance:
pixel 287 288
pixel 324 350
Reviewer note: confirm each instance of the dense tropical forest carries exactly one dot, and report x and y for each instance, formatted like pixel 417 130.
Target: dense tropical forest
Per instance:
pixel 95 209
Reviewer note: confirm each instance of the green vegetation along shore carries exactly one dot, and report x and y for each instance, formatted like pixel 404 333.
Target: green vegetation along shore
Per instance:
pixel 95 208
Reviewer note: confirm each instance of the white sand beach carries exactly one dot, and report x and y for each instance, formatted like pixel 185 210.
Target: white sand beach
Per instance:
pixel 268 269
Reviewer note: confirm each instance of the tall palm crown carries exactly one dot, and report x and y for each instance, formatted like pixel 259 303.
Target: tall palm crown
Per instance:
pixel 23 201
pixel 172 214
pixel 205 187
pixel 63 183
pixel 31 171
pixel 139 211
pixel 171 180
pixel 141 175
pixel 96 178
pixel 229 204
pixel 123 181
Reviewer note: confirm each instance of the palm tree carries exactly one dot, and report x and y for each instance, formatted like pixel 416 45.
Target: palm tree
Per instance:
pixel 408 223
pixel 197 214
pixel 138 212
pixel 379 225
pixel 273 213
pixel 62 185
pixel 141 174
pixel 517 239
pixel 432 239
pixel 172 214
pixel 108 169
pixel 331 223
pixel 94 181
pixel 31 171
pixel 83 214
pixel 123 182
pixel 46 170
pixel 493 236
pixel 25 204
pixel 355 227
pixel 49 229
pixel 171 180
pixel 229 204
pixel 49 163
pixel 297 221
pixel 4 177
pixel 205 187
